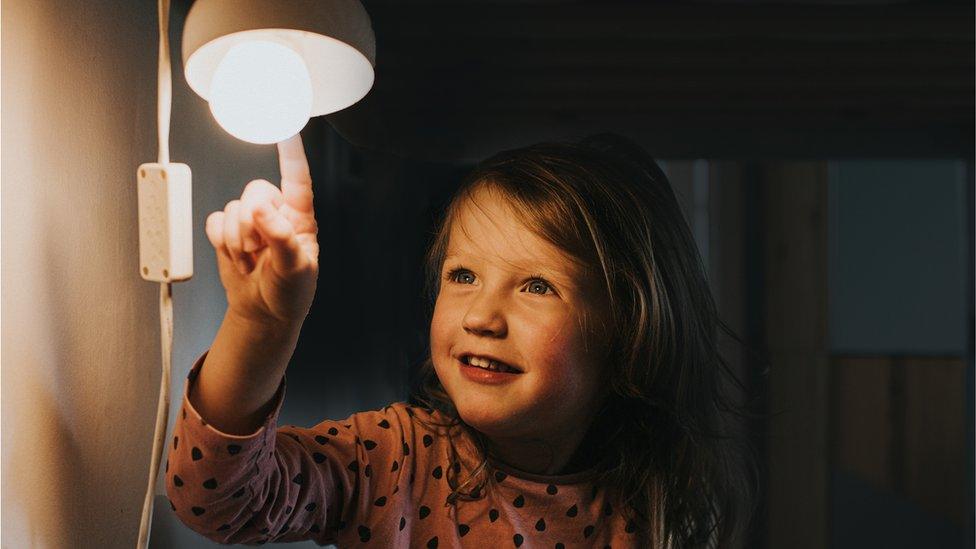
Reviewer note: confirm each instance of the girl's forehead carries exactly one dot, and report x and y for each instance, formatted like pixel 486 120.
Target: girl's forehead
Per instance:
pixel 490 230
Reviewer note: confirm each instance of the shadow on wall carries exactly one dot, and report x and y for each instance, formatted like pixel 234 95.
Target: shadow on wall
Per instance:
pixel 70 279
pixel 82 360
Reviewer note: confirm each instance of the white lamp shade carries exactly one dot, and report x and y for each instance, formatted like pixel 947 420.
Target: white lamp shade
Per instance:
pixel 333 37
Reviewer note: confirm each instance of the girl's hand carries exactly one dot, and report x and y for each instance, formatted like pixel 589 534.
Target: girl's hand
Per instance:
pixel 266 246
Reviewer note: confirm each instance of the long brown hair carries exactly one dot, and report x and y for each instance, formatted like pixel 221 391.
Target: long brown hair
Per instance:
pixel 661 442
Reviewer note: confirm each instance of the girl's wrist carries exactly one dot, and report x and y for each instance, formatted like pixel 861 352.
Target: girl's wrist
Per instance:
pixel 265 327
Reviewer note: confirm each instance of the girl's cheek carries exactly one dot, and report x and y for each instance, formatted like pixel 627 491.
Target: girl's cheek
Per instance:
pixel 440 331
pixel 569 368
pixel 558 351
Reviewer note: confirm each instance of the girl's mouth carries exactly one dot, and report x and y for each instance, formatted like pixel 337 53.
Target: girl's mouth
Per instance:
pixel 485 375
pixel 488 364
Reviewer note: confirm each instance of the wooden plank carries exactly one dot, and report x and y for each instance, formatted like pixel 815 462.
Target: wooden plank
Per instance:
pixel 935 435
pixel 899 423
pixel 795 278
pixel 861 427
pixel 727 250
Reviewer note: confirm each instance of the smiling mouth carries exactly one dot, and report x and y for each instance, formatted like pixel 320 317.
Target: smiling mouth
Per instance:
pixel 490 365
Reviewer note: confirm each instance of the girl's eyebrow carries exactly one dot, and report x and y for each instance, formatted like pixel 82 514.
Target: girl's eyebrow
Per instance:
pixel 536 267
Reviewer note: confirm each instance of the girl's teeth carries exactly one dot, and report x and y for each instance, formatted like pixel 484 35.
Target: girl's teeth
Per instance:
pixel 487 364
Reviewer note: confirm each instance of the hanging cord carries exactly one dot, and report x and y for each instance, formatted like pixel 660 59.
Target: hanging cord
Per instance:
pixel 165 288
pixel 165 79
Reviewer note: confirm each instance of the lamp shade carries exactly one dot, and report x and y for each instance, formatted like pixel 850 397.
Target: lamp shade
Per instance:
pixel 333 38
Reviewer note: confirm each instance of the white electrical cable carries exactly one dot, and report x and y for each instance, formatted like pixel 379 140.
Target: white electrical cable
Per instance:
pixel 165 83
pixel 165 289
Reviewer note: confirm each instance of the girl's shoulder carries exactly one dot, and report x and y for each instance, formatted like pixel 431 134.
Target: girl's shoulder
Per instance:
pixel 426 417
pixel 403 413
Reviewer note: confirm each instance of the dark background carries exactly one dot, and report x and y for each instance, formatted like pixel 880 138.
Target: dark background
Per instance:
pixel 823 153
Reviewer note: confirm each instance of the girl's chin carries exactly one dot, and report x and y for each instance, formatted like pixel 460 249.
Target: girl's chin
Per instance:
pixel 489 418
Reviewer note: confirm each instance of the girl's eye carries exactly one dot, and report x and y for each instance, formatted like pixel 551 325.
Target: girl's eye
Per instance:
pixel 540 283
pixel 454 275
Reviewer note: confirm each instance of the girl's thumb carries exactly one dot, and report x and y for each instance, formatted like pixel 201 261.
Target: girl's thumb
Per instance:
pixel 278 232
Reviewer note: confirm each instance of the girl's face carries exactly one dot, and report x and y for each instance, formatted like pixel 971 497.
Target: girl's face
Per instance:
pixel 497 305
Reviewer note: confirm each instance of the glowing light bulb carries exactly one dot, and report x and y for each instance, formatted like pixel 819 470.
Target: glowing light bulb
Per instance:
pixel 261 92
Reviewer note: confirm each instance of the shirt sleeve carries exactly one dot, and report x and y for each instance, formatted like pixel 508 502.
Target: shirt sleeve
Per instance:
pixel 286 484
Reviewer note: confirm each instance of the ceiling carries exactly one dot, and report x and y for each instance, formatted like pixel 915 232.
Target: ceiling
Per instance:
pixel 458 80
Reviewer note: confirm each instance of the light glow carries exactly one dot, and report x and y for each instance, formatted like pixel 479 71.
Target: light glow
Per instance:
pixel 261 92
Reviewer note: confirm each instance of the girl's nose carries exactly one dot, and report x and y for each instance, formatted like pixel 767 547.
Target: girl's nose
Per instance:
pixel 484 318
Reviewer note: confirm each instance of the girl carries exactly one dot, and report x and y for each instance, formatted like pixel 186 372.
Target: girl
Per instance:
pixel 572 396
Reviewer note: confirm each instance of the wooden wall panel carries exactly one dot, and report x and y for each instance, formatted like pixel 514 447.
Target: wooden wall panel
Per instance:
pixel 795 281
pixel 861 427
pixel 935 435
pixel 900 424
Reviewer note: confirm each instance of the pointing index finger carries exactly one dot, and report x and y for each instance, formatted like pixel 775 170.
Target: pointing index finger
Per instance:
pixel 296 180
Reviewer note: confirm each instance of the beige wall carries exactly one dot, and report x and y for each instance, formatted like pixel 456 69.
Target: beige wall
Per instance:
pixel 80 328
